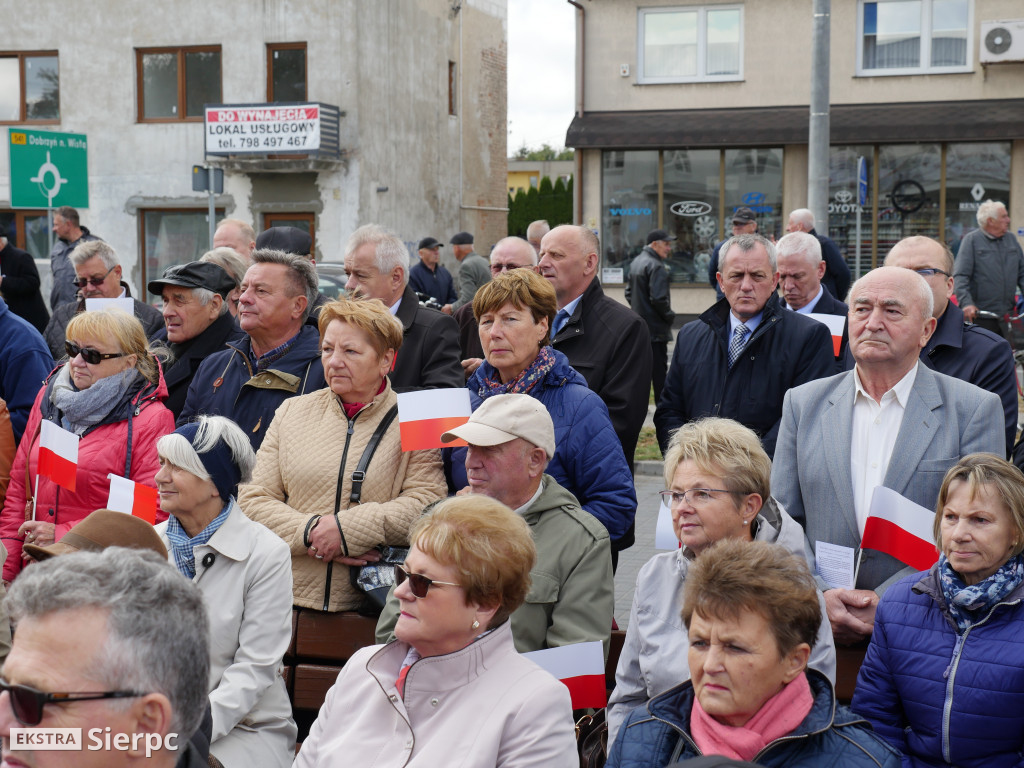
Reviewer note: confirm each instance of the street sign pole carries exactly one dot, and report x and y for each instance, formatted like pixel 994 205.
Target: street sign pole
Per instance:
pixel 211 180
pixel 862 199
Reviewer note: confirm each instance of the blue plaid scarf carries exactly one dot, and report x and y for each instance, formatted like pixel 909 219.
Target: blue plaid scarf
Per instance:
pixel 183 548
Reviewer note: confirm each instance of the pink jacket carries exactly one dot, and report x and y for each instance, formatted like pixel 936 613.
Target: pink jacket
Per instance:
pixel 102 450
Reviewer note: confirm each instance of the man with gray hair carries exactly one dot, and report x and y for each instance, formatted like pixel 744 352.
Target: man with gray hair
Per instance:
pixel 197 322
pixel 535 233
pixel 377 266
pixel 279 356
pixel 801 270
pixel 889 422
pixel 989 268
pixel 739 358
pixel 511 439
pixel 113 645
pixel 70 234
pixel 837 274
pixel 98 272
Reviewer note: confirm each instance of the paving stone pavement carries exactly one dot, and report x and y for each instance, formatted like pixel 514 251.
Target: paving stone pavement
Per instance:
pixel 631 560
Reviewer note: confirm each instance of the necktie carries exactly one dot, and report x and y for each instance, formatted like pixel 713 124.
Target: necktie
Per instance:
pixel 560 320
pixel 739 340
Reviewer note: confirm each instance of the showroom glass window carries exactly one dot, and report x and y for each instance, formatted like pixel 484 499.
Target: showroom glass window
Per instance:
pixel 690 44
pixel 975 172
pixel 753 178
pixel 843 207
pixel 899 37
pixel 629 204
pixel 691 210
pixel 172 237
pixel 909 177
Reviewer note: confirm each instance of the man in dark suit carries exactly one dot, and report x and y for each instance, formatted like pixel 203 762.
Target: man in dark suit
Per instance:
pixel 377 266
pixel 889 422
pixel 837 273
pixel 197 322
pixel 19 284
pixel 801 269
pixel 738 359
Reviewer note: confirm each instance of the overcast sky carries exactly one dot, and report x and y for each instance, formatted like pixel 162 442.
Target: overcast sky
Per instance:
pixel 541 76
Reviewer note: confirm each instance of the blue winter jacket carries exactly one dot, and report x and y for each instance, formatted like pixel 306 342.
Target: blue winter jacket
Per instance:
pixel 588 460
pixel 829 737
pixel 25 363
pixel 940 698
pixel 227 385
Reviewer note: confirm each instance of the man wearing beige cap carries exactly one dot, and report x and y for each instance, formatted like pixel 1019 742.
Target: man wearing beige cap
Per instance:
pixel 571 599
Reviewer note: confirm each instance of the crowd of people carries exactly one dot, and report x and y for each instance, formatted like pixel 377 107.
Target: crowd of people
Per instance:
pixel 264 416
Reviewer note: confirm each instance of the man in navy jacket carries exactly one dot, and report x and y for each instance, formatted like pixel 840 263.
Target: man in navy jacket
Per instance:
pixel 801 269
pixel 739 358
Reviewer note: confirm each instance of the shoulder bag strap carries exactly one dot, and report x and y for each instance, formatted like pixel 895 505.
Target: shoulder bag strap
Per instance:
pixel 364 461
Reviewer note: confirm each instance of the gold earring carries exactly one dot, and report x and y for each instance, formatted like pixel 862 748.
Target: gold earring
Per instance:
pixel 476 624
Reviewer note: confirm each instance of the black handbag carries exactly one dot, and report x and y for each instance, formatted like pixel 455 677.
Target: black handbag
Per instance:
pixel 592 739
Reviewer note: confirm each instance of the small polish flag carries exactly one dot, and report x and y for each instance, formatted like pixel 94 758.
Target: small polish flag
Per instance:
pixel 836 324
pixel 425 415
pixel 580 667
pixel 58 455
pixel 132 498
pixel 901 528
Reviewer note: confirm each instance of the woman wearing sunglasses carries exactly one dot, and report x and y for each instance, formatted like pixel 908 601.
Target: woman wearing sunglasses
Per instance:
pixel 244 572
pixel 110 394
pixel 450 689
pixel 719 487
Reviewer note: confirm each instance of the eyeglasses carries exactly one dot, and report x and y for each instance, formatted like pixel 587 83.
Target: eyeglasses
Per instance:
pixel 27 703
pixel 929 271
pixel 497 269
pixel 81 282
pixel 90 355
pixel 418 583
pixel 695 497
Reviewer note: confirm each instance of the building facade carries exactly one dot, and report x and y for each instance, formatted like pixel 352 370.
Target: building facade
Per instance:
pixel 421 139
pixel 687 110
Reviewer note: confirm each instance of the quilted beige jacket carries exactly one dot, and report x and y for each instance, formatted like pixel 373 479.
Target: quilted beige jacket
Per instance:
pixel 297 475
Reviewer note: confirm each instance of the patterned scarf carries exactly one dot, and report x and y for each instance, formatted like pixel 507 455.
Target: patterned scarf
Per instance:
pixel 968 605
pixel 84 408
pixel 265 361
pixel 525 381
pixel 183 548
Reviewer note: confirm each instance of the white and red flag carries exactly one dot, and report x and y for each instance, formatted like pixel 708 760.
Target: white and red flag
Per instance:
pixel 580 667
pixel 901 528
pixel 58 454
pixel 836 325
pixel 132 498
pixel 425 415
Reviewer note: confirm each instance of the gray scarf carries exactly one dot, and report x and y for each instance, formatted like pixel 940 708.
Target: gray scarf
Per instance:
pixel 84 408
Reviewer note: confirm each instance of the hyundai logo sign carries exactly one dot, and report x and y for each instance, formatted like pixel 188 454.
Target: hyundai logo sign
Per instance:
pixel 690 208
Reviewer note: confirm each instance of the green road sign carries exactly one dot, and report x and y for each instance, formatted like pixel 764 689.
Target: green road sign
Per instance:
pixel 48 169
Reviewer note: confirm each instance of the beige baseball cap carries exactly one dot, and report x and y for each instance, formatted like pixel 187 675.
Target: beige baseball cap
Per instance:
pixel 502 418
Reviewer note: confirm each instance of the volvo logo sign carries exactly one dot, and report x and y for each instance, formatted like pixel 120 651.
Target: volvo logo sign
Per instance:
pixel 690 208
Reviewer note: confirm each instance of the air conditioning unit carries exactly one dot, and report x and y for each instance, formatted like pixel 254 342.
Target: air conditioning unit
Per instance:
pixel 1001 41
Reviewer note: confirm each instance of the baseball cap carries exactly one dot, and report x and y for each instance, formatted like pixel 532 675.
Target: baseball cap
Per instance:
pixel 99 530
pixel 462 238
pixel 658 234
pixel 502 418
pixel 195 274
pixel 287 239
pixel 743 215
pixel 429 242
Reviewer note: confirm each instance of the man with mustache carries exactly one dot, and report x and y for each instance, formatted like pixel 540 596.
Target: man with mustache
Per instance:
pixel 890 422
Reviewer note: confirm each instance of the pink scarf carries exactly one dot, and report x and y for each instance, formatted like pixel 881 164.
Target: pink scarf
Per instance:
pixel 777 717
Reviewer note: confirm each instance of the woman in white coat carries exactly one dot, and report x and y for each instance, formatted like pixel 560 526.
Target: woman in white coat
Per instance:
pixel 244 572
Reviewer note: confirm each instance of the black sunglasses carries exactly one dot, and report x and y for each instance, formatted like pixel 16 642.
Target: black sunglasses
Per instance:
pixel 81 282
pixel 90 355
pixel 27 703
pixel 418 583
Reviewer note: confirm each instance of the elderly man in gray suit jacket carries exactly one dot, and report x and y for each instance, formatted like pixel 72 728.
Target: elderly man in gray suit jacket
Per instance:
pixel 890 422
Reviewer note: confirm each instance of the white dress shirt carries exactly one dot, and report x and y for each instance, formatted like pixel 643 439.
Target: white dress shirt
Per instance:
pixel 875 427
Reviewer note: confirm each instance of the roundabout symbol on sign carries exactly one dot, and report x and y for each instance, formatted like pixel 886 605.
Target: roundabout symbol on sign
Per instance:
pixel 49 169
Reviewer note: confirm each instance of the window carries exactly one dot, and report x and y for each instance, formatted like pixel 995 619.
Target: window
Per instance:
pixel 175 83
pixel 906 37
pixel 29 87
pixel 693 44
pixel 451 87
pixel 171 237
pixel 286 72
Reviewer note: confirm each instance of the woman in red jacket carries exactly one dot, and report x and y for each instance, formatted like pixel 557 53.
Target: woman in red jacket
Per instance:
pixel 110 394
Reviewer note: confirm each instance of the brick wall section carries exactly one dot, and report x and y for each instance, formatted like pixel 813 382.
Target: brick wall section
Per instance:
pixel 493 101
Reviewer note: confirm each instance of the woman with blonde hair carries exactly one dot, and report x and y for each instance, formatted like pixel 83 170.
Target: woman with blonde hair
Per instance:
pixel 450 689
pixel 110 393
pixel 309 485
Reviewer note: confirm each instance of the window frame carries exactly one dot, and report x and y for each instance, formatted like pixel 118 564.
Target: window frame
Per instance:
pixel 702 38
pixel 144 255
pixel 271 48
pixel 180 50
pixel 23 105
pixel 926 44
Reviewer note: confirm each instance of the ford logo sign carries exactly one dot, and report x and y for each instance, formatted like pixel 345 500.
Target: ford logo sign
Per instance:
pixel 690 208
pixel 844 196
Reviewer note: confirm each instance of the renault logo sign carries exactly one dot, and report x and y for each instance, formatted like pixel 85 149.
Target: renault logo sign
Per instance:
pixel 690 208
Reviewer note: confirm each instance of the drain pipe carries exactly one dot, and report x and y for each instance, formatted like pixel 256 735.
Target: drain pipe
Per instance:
pixel 577 186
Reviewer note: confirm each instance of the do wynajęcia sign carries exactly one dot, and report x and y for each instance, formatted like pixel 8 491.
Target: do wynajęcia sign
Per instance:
pixel 262 128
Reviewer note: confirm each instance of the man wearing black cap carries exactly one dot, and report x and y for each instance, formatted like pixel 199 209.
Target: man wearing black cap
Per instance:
pixel 648 294
pixel 196 319
pixel 429 277
pixel 744 222
pixel 474 271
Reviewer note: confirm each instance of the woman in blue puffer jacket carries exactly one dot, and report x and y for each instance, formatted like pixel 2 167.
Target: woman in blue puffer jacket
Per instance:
pixel 514 312
pixel 943 679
